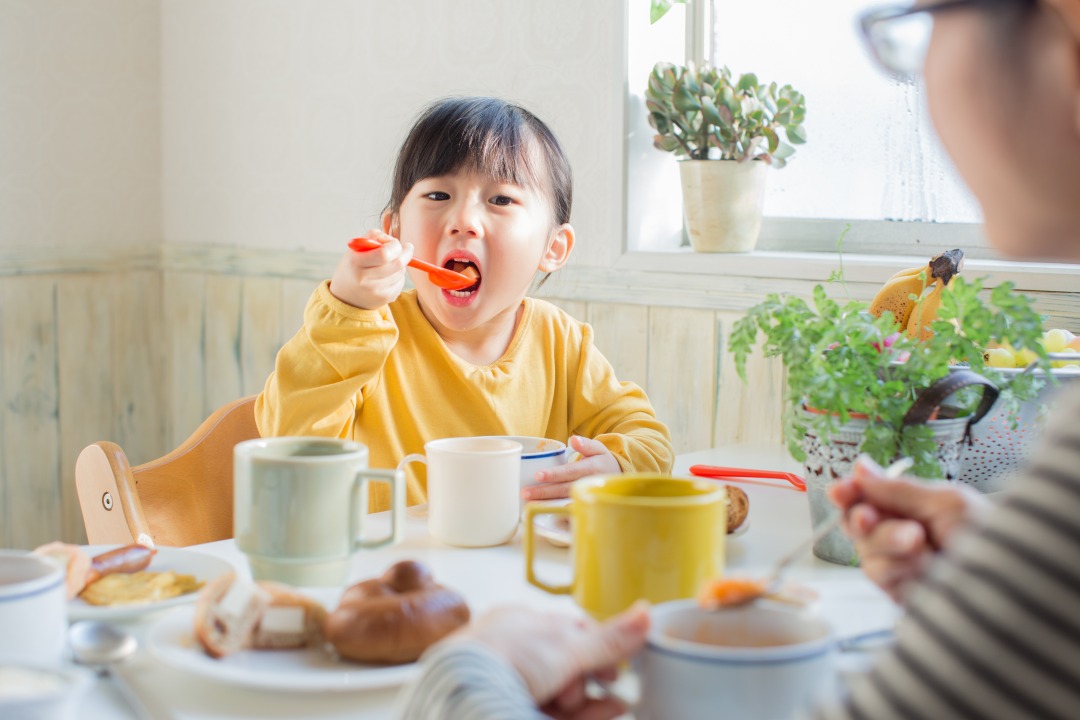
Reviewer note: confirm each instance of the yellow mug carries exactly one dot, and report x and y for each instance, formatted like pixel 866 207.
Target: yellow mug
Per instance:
pixel 636 536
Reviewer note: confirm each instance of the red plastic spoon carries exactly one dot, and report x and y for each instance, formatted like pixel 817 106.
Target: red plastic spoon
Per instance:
pixel 440 277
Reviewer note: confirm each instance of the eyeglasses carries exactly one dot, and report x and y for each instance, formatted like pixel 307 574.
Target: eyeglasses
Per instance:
pixel 899 35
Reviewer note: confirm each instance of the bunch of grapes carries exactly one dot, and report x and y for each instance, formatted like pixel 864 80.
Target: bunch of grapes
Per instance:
pixel 1064 345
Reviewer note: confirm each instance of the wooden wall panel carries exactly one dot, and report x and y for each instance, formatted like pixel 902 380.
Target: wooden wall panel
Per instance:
pixel 221 318
pixel 260 331
pixel 682 373
pixel 138 360
pixel 750 411
pixel 31 451
pixel 87 381
pixel 185 345
pixel 622 334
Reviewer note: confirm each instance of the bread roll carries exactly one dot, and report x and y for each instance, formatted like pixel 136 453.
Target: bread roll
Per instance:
pixel 75 562
pixel 393 619
pixel 226 613
pixel 738 507
pixel 291 620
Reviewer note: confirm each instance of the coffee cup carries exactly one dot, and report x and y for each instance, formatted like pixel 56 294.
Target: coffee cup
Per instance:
pixel 472 489
pixel 33 609
pixel 300 507
pixel 762 660
pixel 636 536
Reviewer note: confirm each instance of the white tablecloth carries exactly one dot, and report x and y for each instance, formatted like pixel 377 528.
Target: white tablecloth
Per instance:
pixel 778 520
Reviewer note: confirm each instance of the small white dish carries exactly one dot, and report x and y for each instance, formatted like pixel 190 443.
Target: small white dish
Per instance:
pixel 188 562
pixel 556 529
pixel 172 640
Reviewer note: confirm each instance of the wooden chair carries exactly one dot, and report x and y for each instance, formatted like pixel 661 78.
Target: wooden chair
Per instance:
pixel 183 498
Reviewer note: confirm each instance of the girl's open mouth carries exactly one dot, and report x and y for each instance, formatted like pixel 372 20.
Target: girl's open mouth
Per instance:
pixel 467 268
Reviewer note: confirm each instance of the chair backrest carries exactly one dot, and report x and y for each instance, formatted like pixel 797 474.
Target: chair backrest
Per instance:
pixel 183 498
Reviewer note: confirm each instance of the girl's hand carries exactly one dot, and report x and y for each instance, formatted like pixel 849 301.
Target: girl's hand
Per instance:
pixel 556 654
pixel 373 278
pixel 899 525
pixel 596 459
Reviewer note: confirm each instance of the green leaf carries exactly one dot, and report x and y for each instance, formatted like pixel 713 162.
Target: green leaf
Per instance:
pixel 684 100
pixel 796 135
pixel 666 143
pixel 747 83
pixel 783 151
pixel 659 8
pixel 710 112
pixel 773 138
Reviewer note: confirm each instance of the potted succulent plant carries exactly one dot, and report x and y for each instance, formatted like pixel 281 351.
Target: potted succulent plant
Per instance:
pixel 727 132
pixel 854 382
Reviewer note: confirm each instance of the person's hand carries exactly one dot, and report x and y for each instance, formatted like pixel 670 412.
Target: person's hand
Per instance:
pixel 596 459
pixel 899 525
pixel 556 654
pixel 372 278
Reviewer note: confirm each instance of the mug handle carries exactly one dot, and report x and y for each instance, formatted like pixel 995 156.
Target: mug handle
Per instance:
pixel 420 510
pixel 396 480
pixel 531 511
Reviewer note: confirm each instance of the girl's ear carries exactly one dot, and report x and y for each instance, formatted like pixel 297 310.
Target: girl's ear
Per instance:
pixel 389 224
pixel 559 248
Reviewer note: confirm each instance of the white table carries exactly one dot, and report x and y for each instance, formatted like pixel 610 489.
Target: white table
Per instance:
pixel 779 519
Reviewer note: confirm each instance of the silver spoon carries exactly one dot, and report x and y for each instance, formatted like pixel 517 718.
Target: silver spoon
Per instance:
pixel 104 648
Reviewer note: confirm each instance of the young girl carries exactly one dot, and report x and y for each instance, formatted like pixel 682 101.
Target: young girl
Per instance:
pixel 483 186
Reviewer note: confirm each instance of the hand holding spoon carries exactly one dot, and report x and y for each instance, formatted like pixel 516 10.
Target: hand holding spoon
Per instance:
pixel 440 277
pixel 733 592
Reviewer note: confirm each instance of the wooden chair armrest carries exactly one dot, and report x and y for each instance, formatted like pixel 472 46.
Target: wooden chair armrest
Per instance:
pixel 110 503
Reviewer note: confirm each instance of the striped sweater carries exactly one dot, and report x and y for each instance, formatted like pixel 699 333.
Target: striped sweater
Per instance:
pixel 993 632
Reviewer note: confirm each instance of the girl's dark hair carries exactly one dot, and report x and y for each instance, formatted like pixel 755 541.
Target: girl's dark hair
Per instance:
pixel 489 136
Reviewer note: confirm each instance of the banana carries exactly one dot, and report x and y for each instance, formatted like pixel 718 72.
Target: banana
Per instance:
pixel 896 293
pixel 905 293
pixel 925 312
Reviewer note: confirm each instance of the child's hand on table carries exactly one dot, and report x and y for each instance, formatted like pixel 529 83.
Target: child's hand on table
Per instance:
pixel 555 483
pixel 372 278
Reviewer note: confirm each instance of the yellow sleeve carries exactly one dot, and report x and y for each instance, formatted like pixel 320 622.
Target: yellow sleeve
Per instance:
pixel 323 373
pixel 618 414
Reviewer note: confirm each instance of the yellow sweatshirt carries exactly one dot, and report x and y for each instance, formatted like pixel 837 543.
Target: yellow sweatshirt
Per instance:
pixel 385 378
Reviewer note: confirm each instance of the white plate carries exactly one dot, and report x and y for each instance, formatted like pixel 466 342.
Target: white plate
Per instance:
pixel 172 640
pixel 556 528
pixel 188 562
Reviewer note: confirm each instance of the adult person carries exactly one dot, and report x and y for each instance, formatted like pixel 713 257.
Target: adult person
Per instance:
pixel 990 590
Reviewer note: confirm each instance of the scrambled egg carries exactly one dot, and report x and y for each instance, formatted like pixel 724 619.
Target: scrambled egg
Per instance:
pixel 139 588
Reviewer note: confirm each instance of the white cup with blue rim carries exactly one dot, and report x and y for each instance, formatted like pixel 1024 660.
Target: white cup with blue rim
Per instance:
pixel 761 660
pixel 33 609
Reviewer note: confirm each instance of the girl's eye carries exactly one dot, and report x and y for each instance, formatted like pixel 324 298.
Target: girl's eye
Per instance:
pixel 502 200
pixel 437 195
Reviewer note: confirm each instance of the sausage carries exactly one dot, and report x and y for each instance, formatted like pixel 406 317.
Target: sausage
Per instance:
pixel 395 618
pixel 127 559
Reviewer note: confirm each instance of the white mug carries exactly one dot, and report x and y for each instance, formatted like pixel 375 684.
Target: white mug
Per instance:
pixel 762 660
pixel 33 609
pixel 472 488
pixel 300 507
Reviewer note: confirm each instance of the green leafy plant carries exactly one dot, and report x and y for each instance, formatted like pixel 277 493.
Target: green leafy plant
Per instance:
pixel 707 114
pixel 841 360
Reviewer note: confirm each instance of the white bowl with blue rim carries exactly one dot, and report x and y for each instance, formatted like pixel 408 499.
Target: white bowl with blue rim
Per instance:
pixel 762 660
pixel 537 454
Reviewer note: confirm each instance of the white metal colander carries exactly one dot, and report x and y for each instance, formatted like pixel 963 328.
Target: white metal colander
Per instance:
pixel 997 449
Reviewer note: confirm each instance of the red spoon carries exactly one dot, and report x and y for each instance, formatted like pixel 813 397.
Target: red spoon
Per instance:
pixel 440 277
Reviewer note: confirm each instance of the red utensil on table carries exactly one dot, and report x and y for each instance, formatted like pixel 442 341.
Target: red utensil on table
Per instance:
pixel 440 277
pixel 734 474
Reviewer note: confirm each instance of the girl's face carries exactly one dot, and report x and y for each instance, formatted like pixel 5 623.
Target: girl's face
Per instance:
pixel 1005 103
pixel 505 232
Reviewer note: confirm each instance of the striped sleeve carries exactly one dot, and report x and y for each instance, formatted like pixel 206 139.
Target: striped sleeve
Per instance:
pixel 994 630
pixel 464 680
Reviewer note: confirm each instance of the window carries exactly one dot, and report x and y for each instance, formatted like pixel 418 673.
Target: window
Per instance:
pixel 872 159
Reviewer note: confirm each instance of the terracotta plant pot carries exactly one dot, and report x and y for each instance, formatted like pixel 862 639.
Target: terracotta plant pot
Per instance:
pixel 722 203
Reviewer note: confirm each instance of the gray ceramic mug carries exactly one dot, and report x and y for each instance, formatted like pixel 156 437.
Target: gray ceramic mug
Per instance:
pixel 300 507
